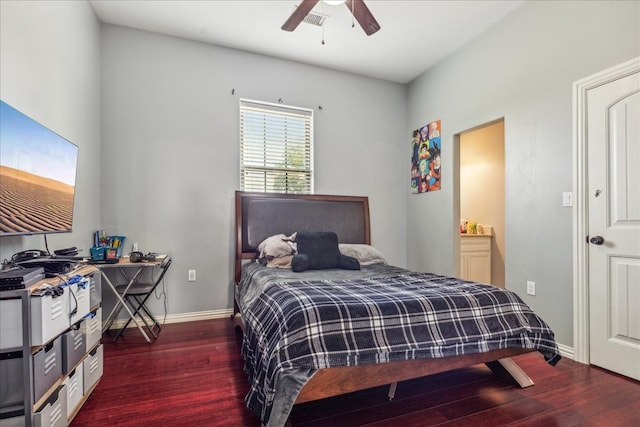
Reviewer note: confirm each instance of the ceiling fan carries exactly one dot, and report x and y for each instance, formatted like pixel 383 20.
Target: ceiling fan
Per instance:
pixel 359 10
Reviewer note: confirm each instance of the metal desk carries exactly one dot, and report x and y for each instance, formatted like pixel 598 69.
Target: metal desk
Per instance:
pixel 125 265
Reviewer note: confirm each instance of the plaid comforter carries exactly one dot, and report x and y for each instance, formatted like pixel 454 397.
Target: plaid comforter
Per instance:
pixel 320 324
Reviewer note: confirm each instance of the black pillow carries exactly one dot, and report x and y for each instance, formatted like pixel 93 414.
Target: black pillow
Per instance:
pixel 321 247
pixel 348 263
pixel 318 250
pixel 299 262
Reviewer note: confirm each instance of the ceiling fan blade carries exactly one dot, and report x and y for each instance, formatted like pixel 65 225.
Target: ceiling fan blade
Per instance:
pixel 363 15
pixel 298 15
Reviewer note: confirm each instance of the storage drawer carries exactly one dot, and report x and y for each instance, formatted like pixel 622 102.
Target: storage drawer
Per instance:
pixel 49 316
pixel 91 328
pixel 73 348
pixel 95 288
pixel 47 367
pixel 75 388
pixel 79 300
pixel 12 379
pixel 53 413
pixel 475 242
pixel 92 368
pixel 10 323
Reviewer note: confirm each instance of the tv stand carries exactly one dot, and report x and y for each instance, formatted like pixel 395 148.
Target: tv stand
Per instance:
pixel 51 360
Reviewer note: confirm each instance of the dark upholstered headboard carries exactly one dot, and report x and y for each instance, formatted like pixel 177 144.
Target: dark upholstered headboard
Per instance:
pixel 260 215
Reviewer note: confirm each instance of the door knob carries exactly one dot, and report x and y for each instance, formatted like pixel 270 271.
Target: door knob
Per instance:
pixel 597 240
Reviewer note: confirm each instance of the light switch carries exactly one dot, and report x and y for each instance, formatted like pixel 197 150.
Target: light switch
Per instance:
pixel 531 288
pixel 567 198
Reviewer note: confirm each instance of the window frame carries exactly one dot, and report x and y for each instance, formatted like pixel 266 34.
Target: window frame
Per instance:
pixel 301 129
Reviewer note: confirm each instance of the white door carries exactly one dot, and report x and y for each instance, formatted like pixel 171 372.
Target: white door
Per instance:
pixel 613 151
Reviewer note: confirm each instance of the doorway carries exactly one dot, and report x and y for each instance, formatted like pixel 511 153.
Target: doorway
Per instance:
pixel 482 201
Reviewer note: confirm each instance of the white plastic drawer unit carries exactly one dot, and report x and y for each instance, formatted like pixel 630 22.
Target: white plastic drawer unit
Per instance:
pixel 47 367
pixel 91 328
pixel 95 288
pixel 53 413
pixel 92 368
pixel 79 300
pixel 49 314
pixel 73 348
pixel 75 388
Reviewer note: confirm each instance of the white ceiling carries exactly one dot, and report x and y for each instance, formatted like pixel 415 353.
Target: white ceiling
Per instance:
pixel 414 35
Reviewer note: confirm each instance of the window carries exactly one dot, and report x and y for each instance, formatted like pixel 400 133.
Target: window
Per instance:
pixel 276 147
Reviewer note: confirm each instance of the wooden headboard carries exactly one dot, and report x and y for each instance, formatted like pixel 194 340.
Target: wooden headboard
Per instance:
pixel 260 215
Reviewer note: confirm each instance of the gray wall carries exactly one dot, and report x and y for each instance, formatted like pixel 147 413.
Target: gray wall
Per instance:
pixel 522 69
pixel 166 169
pixel 50 70
pixel 170 150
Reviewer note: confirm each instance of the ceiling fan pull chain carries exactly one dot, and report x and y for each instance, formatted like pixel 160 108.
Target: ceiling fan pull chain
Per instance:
pixel 365 19
pixel 353 14
pixel 323 35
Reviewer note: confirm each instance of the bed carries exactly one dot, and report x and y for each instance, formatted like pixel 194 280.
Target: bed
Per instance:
pixel 292 356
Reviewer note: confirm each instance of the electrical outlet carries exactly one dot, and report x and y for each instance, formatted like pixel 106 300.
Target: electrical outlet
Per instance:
pixel 531 288
pixel 192 275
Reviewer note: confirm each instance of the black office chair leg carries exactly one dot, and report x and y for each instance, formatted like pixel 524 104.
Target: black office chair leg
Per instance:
pixel 121 331
pixel 149 327
pixel 138 306
pixel 156 324
pixel 137 313
pixel 144 307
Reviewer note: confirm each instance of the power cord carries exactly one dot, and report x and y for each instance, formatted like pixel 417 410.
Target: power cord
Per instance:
pixel 163 294
pixel 47 290
pixel 67 282
pixel 55 291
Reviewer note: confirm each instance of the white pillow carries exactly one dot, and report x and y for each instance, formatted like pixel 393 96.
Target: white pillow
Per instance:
pixel 277 246
pixel 365 254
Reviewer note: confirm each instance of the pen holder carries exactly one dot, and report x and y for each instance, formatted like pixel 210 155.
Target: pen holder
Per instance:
pixel 98 253
pixel 117 243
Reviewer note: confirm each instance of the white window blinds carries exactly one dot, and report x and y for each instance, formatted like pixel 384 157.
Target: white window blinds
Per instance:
pixel 276 148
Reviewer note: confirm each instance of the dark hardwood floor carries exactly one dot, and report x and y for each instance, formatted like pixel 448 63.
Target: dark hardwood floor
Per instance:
pixel 193 375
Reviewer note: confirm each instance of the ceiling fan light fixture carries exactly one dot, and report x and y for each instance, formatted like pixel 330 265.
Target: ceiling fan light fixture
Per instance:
pixel 334 2
pixel 362 14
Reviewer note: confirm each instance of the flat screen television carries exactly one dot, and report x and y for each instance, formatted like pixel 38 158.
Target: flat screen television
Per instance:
pixel 37 176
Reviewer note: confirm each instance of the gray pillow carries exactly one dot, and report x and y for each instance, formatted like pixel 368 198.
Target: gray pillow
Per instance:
pixel 365 254
pixel 277 246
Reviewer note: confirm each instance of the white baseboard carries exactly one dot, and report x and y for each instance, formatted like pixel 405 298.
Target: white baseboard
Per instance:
pixel 181 317
pixel 566 351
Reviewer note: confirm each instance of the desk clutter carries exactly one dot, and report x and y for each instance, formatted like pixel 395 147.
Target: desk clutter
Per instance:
pixel 61 261
pixel 137 256
pixel 106 247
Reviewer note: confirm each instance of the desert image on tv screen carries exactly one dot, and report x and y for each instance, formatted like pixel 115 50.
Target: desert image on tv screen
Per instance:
pixel 37 176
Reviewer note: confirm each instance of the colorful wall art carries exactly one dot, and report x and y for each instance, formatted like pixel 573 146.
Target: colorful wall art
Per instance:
pixel 425 158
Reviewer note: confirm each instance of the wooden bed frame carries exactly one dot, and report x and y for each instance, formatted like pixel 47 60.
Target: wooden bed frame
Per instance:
pixel 260 215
